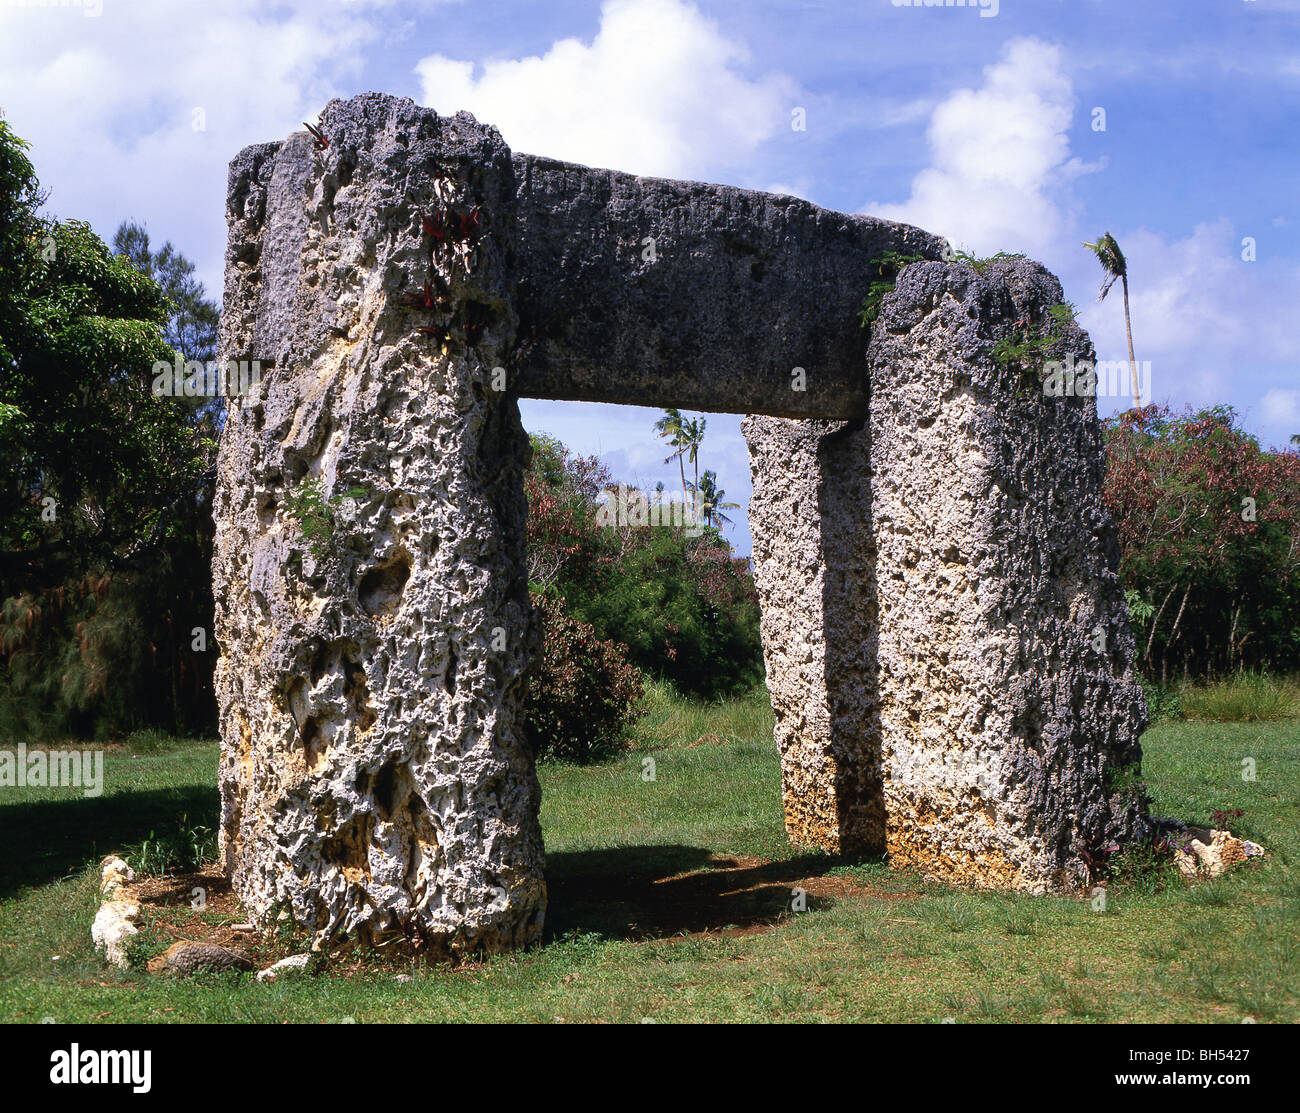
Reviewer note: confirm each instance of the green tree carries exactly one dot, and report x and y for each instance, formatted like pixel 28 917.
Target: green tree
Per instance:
pixel 672 427
pixel 192 318
pixel 1209 531
pixel 92 460
pixel 713 500
pixel 693 432
pixel 102 492
pixel 683 605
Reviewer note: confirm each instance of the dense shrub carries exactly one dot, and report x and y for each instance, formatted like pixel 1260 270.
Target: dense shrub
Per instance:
pixel 584 694
pixel 1162 703
pixel 685 608
pixel 1209 532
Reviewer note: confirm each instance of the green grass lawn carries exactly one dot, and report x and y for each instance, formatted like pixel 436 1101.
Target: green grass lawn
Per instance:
pixel 670 901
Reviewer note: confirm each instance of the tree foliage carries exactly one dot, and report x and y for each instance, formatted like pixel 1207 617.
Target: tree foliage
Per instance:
pixel 191 325
pixel 713 499
pixel 1209 528
pixel 105 520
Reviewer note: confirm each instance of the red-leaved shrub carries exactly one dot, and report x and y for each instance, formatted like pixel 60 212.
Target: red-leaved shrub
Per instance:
pixel 584 695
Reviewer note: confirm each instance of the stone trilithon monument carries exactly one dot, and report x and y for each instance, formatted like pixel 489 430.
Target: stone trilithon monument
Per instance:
pixel 947 646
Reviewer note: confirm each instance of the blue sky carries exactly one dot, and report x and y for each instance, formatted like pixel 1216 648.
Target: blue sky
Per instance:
pixel 978 126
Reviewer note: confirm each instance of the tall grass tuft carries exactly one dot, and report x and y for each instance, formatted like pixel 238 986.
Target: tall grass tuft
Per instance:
pixel 1248 697
pixel 184 845
pixel 671 718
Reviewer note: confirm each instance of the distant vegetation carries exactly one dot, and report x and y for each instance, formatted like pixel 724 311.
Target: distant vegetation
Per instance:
pixel 672 598
pixel 105 489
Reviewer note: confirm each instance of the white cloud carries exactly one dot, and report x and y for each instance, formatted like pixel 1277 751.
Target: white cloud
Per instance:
pixel 657 91
pixel 890 112
pixel 1190 293
pixel 1000 157
pixel 108 104
pixel 801 188
pixel 1000 180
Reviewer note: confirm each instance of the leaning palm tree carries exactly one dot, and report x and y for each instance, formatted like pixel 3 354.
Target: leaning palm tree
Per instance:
pixel 713 500
pixel 672 427
pixel 1115 265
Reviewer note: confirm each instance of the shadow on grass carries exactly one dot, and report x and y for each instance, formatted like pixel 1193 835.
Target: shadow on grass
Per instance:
pixel 45 840
pixel 651 892
pixel 632 892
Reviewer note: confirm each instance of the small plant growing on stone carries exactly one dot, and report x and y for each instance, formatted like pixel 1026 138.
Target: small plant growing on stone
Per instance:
pixel 316 516
pixel 434 225
pixel 426 298
pixel 477 318
pixel 319 139
pixel 467 224
pixel 886 269
pixel 458 228
pixel 440 333
pixel 979 266
pixel 1028 345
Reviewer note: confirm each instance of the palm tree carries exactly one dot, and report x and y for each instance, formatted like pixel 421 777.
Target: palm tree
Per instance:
pixel 672 427
pixel 693 431
pixel 712 500
pixel 1295 439
pixel 1115 265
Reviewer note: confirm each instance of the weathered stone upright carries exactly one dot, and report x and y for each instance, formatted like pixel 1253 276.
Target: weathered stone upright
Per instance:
pixel 931 553
pixel 961 689
pixel 813 559
pixel 373 774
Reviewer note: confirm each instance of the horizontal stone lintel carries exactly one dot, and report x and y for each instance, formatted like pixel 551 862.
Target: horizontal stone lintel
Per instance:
pixel 650 291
